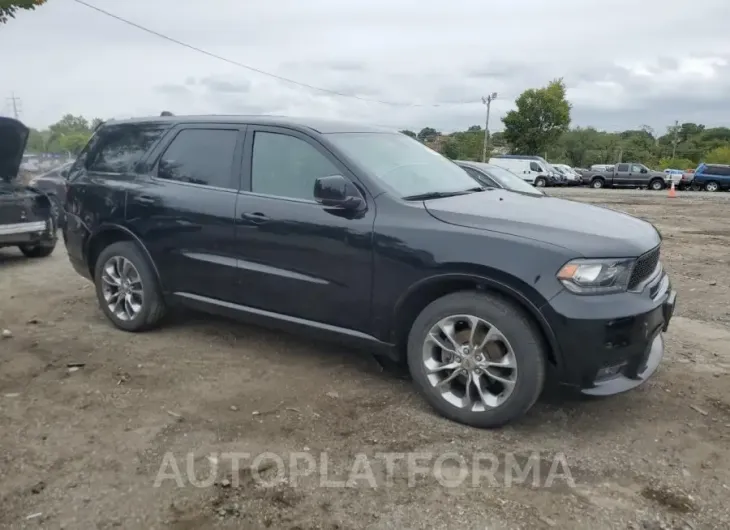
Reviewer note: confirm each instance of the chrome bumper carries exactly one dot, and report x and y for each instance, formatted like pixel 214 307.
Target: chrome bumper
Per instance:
pixel 23 228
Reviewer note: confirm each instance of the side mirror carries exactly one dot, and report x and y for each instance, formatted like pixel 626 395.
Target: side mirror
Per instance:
pixel 64 174
pixel 644 170
pixel 336 191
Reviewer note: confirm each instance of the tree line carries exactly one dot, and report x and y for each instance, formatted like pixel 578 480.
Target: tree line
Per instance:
pixel 540 125
pixel 68 135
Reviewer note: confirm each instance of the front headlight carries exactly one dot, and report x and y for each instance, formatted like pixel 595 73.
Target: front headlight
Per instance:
pixel 596 276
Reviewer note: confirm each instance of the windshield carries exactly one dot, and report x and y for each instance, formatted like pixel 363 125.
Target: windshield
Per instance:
pixel 403 164
pixel 508 179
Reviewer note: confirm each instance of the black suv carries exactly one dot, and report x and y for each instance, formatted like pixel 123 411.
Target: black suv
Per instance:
pixel 366 235
pixel 27 215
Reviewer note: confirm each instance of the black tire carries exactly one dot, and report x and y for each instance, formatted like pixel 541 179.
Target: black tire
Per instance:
pixel 517 327
pixel 39 250
pixel 712 186
pixel 153 304
pixel 541 182
pixel 597 183
pixel 657 185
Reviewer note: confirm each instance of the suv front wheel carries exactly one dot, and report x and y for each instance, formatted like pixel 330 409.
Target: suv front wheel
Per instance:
pixel 127 288
pixel 477 359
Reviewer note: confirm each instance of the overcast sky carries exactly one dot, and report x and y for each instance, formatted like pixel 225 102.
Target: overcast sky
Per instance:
pixel 626 63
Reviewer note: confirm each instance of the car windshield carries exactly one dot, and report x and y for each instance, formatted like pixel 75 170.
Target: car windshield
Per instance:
pixel 403 164
pixel 508 179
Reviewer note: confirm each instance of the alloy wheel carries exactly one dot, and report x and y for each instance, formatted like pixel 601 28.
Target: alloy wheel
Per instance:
pixel 711 186
pixel 122 288
pixel 470 362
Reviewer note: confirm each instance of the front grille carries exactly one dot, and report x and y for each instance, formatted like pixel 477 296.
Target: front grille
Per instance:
pixel 645 265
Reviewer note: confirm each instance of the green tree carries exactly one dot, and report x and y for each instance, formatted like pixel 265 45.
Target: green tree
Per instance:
pixel 451 149
pixel 542 116
pixel 409 133
pixel 8 8
pixel 428 133
pixel 719 155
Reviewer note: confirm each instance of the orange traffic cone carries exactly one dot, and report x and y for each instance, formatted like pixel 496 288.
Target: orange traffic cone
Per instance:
pixel 672 192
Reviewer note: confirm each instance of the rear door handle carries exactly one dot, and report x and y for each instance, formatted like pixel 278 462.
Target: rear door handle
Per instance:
pixel 146 199
pixel 256 218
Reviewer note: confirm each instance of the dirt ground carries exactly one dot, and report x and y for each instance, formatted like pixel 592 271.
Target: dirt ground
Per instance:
pixel 82 448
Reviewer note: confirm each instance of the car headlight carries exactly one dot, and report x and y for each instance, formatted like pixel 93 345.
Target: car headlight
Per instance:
pixel 596 276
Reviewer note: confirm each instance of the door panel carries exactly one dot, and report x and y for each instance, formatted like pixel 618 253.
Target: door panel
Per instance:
pixel 184 209
pixel 297 257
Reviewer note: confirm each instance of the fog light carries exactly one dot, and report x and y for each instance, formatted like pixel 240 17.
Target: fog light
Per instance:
pixel 609 371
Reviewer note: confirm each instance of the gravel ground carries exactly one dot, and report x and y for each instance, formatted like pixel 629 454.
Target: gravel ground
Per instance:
pixel 128 439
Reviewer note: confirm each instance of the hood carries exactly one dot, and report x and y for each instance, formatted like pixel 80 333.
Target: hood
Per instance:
pixel 588 231
pixel 13 138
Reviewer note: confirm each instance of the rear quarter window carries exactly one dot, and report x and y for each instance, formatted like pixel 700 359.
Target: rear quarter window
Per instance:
pixel 118 148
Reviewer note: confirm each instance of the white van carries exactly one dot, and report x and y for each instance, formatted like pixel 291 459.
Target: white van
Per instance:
pixel 534 170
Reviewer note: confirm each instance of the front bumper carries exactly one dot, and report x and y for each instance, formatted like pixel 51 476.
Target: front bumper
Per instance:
pixel 613 343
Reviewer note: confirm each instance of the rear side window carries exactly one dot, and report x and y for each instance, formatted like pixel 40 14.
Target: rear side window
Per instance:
pixel 201 156
pixel 720 171
pixel 622 167
pixel 117 149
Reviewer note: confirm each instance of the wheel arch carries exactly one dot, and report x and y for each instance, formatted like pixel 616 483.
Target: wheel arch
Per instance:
pixel 108 234
pixel 426 290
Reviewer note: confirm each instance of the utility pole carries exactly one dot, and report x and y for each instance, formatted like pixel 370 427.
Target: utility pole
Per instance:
pixel 488 102
pixel 676 138
pixel 15 103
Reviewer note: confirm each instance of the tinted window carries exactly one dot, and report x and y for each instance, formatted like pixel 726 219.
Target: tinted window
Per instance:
pixel 534 166
pixel 622 167
pixel 717 170
pixel 479 177
pixel 118 149
pixel 286 166
pixel 200 156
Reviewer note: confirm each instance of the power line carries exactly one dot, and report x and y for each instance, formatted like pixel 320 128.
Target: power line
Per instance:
pixel 262 72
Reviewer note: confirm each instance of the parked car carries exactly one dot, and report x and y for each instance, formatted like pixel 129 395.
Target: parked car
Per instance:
pixel 712 177
pixel 497 177
pixel 629 174
pixel 584 174
pixel 673 176
pixel 533 169
pixel 367 236
pixel 26 218
pixel 53 183
pixel 573 178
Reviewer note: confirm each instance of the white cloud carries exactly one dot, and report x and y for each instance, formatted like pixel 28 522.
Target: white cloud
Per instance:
pixel 626 63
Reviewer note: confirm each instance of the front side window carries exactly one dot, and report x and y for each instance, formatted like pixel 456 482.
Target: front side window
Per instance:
pixel 117 149
pixel 636 168
pixel 534 166
pixel 200 156
pixel 286 166
pixel 403 164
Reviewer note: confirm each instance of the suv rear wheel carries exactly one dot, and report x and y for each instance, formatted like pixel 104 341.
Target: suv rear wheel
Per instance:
pixel 711 186
pixel 127 288
pixel 477 359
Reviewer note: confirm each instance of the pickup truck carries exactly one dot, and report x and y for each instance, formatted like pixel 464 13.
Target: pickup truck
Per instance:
pixel 627 174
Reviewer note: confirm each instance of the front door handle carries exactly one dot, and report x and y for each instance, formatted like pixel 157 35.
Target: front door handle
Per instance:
pixel 256 218
pixel 146 199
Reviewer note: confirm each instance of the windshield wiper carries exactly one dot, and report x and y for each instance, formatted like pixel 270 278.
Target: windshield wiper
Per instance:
pixel 440 194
